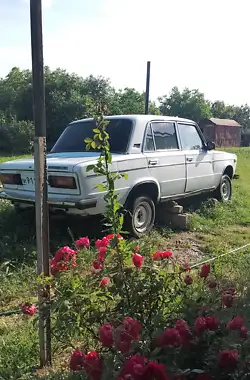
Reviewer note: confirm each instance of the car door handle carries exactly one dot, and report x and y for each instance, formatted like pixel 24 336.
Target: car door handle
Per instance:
pixel 189 159
pixel 153 162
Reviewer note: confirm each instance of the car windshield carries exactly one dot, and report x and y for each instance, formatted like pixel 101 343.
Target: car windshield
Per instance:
pixel 72 139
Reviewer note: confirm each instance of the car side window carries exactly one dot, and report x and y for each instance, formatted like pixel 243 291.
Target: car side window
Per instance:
pixel 149 142
pixel 190 138
pixel 164 135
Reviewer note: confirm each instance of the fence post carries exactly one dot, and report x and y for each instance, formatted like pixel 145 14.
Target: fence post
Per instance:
pixel 41 192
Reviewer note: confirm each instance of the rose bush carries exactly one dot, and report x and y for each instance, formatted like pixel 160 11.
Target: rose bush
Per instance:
pixel 135 316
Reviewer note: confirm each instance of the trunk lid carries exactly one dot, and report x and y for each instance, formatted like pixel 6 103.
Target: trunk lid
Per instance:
pixel 57 164
pixel 55 161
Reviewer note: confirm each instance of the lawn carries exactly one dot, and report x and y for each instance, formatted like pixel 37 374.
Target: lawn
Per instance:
pixel 214 230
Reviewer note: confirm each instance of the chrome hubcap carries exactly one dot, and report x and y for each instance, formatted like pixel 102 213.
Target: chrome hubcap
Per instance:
pixel 142 217
pixel 225 190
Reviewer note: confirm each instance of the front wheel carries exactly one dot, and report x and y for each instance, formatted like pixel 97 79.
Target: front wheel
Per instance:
pixel 141 216
pixel 224 190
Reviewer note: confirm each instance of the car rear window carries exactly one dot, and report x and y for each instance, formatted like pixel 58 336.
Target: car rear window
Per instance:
pixel 72 139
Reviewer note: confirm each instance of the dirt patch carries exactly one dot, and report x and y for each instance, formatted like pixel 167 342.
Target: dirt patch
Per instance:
pixel 187 247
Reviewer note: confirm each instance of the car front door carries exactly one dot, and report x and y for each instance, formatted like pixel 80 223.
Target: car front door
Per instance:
pixel 199 161
pixel 166 161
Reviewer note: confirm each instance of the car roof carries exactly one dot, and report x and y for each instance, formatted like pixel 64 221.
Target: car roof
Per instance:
pixel 145 118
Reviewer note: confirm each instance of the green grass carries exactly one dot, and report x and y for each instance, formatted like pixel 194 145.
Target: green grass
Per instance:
pixel 214 230
pixel 228 225
pixel 10 158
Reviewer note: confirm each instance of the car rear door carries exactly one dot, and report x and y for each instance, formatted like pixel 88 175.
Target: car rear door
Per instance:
pixel 199 161
pixel 166 161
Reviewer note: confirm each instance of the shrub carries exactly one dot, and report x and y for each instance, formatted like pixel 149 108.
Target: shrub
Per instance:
pixel 16 137
pixel 134 311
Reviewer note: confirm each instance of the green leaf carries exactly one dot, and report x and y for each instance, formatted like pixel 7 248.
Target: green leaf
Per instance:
pixel 96 130
pixel 101 187
pixel 90 167
pixel 93 145
pixel 88 140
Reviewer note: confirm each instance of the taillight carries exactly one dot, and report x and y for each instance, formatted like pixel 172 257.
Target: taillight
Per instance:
pixel 62 182
pixel 11 179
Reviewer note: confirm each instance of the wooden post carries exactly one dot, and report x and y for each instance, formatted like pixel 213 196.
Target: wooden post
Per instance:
pixel 41 190
pixel 147 88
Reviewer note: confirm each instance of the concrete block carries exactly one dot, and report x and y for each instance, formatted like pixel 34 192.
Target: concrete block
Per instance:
pixel 175 221
pixel 177 209
pixel 169 204
pixel 180 221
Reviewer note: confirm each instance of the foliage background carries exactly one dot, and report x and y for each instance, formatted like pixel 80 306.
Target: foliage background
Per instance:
pixel 70 97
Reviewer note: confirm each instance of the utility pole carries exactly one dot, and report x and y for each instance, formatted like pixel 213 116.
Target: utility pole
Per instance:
pixel 147 88
pixel 41 189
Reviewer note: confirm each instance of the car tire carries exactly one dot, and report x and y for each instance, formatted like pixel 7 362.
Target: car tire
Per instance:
pixel 224 191
pixel 140 216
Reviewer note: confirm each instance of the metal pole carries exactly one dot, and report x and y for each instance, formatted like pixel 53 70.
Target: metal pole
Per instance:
pixel 41 191
pixel 147 88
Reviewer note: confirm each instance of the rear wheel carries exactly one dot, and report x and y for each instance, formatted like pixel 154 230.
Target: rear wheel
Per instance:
pixel 141 216
pixel 224 190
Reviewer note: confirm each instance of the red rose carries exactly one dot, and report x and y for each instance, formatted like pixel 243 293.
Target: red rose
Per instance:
pixel 183 330
pixel 212 284
pixel 132 327
pixel 188 280
pixel 205 270
pixel 126 334
pixel 243 332
pixel 76 360
pixel 134 368
pixel 93 365
pixel 162 255
pixel 28 309
pixel 166 255
pixel 157 255
pixel 171 338
pixel 97 265
pixel 105 281
pixel 154 370
pixel 137 260
pixel 102 243
pixel 200 325
pixel 227 299
pixel 101 254
pixel 236 323
pixel 111 236
pixel 212 323
pixel 64 259
pixel 123 342
pixel 228 359
pixel 106 335
pixel 82 243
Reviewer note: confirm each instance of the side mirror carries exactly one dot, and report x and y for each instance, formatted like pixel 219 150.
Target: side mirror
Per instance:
pixel 210 145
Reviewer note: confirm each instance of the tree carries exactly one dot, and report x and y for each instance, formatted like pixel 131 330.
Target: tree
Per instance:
pixel 127 101
pixel 222 111
pixel 190 104
pixel 242 115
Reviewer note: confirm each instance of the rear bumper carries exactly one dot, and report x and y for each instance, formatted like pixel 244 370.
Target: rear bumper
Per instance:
pixel 83 204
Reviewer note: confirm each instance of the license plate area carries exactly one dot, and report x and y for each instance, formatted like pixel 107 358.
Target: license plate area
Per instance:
pixel 28 181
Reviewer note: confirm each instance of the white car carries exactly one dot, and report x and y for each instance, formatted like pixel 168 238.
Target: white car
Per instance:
pixel 166 158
